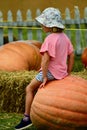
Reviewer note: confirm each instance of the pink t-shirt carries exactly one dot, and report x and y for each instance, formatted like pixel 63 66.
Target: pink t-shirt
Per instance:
pixel 58 47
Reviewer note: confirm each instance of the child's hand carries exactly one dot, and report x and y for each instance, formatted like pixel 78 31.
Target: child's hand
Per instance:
pixel 44 82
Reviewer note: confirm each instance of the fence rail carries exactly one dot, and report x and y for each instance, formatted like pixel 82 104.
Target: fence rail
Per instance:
pixel 76 28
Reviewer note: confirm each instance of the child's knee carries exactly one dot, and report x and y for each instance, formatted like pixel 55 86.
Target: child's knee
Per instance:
pixel 27 89
pixel 30 89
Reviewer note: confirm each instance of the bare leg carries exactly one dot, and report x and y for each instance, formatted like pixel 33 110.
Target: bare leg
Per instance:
pixel 30 91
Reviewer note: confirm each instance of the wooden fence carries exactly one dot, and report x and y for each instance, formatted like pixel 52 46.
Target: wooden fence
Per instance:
pixel 76 28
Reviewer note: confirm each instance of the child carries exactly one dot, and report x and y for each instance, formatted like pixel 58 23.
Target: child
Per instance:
pixel 57 58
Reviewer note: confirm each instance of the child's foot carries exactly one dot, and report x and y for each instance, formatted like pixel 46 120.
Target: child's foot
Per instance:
pixel 23 124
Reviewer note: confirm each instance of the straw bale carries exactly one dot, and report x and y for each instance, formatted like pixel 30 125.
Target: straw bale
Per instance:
pixel 12 90
pixel 82 74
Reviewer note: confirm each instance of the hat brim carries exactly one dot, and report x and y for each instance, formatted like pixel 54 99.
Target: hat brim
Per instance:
pixel 41 20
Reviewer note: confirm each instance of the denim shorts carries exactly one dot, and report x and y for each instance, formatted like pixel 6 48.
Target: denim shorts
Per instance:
pixel 39 76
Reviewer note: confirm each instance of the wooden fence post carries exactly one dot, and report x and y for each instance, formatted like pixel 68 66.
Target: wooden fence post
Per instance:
pixel 29 24
pixel 68 22
pixel 39 31
pixel 1 28
pixel 10 29
pixel 19 24
pixel 78 32
pixel 85 21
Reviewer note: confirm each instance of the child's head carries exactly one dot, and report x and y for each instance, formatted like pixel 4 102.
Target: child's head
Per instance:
pixel 50 19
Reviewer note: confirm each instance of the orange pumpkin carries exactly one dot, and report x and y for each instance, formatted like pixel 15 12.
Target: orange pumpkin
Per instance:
pixel 61 105
pixel 84 57
pixel 34 42
pixel 19 55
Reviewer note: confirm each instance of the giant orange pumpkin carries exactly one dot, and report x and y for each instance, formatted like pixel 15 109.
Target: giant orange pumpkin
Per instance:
pixel 20 55
pixel 61 105
pixel 84 57
pixel 34 42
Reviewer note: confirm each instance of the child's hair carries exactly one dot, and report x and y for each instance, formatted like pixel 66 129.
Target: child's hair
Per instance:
pixel 57 30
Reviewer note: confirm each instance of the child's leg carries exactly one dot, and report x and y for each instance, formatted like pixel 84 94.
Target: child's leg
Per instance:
pixel 30 91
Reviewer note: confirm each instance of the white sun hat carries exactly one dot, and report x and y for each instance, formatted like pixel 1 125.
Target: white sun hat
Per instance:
pixel 51 17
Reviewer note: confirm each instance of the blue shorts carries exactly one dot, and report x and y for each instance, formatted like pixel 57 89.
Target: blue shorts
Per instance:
pixel 39 76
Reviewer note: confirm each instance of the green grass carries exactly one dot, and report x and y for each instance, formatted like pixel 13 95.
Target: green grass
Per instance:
pixel 9 120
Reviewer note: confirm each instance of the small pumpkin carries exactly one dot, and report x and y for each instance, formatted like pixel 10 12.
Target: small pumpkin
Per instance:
pixel 19 55
pixel 84 57
pixel 61 104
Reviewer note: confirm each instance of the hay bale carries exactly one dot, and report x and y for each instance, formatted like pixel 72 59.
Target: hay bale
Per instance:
pixel 12 90
pixel 82 74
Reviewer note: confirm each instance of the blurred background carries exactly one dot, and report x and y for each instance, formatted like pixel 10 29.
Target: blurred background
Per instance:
pixel 24 5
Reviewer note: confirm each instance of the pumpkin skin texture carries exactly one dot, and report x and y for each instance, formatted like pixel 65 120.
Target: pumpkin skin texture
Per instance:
pixel 84 57
pixel 19 55
pixel 34 42
pixel 61 105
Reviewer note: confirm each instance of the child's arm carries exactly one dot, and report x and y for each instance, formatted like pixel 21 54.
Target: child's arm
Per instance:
pixel 44 65
pixel 70 62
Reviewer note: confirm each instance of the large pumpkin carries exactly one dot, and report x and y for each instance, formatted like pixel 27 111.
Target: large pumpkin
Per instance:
pixel 61 105
pixel 34 42
pixel 20 55
pixel 84 57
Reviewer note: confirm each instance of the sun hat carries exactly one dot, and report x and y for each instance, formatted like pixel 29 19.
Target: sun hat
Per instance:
pixel 50 17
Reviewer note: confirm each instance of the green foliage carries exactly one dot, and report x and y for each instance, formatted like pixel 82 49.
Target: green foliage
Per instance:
pixel 78 66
